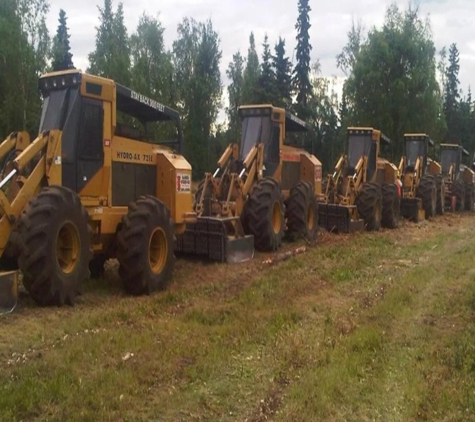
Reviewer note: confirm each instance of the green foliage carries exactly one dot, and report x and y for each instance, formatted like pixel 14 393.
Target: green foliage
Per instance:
pixel 196 57
pixel 152 70
pixel 24 49
pixel 392 84
pixel 266 86
pixel 111 57
pixel 347 58
pixel 283 78
pixel 61 55
pixel 251 74
pixel 323 118
pixel 301 73
pixel 235 73
pixel 452 96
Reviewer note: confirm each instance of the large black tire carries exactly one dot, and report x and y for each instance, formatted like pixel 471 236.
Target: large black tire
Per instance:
pixel 458 190
pixel 145 247
pixel 440 184
pixel 301 212
pixel 369 205
pixel 427 191
pixel 56 246
pixel 263 215
pixel 469 197
pixel 391 206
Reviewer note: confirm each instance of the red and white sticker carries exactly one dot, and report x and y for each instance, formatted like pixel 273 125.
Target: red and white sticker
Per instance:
pixel 318 173
pixel 107 142
pixel 183 182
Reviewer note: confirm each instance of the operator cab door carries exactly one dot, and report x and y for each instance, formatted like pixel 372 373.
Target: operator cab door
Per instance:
pixel 371 166
pixel 272 151
pixel 90 151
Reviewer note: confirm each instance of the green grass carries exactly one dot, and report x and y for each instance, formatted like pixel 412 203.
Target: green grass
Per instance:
pixel 373 327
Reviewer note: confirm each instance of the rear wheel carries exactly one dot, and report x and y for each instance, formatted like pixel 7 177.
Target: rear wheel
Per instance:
pixel 56 246
pixel 264 215
pixel 458 190
pixel 301 211
pixel 145 247
pixel 427 191
pixel 369 205
pixel 469 197
pixel 439 182
pixel 391 206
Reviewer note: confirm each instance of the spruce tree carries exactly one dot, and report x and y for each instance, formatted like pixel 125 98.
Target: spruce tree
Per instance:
pixel 282 69
pixel 111 58
pixel 301 74
pixel 267 91
pixel 235 93
pixel 251 73
pixel 61 56
pixel 452 96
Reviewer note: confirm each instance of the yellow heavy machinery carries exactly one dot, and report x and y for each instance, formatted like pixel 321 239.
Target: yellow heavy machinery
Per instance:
pixel 459 179
pixel 89 188
pixel 362 192
pixel 423 189
pixel 261 190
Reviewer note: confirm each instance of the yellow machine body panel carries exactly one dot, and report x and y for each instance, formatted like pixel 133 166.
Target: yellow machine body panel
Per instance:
pixel 85 146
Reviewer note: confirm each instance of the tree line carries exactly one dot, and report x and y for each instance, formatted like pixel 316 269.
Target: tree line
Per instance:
pixel 395 79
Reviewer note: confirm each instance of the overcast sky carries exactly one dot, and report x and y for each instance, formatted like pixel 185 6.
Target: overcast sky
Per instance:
pixel 451 20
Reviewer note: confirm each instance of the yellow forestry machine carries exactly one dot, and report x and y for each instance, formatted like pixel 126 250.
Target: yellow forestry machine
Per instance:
pixel 261 190
pixel 89 188
pixel 423 188
pixel 362 192
pixel 459 179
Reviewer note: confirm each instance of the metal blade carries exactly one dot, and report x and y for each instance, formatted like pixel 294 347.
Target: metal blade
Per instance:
pixel 8 291
pixel 240 249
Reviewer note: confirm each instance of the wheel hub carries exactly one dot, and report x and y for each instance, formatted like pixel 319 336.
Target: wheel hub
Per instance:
pixel 158 250
pixel 67 247
pixel 276 218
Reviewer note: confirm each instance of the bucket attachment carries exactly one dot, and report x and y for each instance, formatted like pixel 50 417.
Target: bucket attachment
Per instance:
pixel 8 291
pixel 219 239
pixel 411 208
pixel 337 218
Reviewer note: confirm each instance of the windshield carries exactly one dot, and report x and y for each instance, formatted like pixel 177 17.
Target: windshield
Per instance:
pixel 414 149
pixel 448 157
pixel 359 146
pixel 254 129
pixel 57 108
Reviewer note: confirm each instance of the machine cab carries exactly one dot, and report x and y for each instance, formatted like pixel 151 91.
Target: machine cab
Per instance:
pixel 90 111
pixel 268 125
pixel 364 142
pixel 451 158
pixel 416 146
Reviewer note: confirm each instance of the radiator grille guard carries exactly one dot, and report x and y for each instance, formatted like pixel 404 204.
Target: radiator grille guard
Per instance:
pixel 337 218
pixel 216 239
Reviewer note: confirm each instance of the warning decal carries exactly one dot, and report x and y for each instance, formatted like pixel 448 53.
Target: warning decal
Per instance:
pixel 183 182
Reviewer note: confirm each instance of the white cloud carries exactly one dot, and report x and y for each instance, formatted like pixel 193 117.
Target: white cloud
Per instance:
pixel 234 20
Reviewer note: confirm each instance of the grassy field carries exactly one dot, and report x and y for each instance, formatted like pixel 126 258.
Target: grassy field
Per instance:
pixel 367 327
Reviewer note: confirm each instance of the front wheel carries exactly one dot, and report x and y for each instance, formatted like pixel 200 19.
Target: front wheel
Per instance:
pixel 440 184
pixel 369 206
pixel 145 247
pixel 302 211
pixel 56 246
pixel 427 191
pixel 391 206
pixel 458 190
pixel 264 215
pixel 469 197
